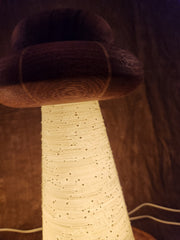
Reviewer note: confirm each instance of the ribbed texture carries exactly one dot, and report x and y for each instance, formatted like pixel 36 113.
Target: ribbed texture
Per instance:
pixel 81 194
pixel 65 56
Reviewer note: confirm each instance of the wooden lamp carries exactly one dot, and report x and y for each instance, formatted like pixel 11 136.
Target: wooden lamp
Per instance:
pixel 64 61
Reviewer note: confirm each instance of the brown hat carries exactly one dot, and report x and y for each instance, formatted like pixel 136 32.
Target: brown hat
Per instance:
pixel 65 55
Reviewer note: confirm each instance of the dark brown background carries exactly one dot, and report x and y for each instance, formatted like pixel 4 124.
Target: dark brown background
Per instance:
pixel 143 127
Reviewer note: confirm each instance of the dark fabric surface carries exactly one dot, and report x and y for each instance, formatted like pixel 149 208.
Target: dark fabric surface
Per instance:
pixel 143 127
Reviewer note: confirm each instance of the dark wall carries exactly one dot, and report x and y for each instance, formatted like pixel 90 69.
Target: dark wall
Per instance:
pixel 143 127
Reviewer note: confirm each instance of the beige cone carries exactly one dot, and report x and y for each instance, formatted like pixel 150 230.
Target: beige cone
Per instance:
pixel 81 194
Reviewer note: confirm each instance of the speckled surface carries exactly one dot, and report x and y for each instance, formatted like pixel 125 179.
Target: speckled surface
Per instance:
pixel 81 192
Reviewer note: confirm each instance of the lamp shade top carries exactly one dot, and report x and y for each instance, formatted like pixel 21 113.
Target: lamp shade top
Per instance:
pixel 62 56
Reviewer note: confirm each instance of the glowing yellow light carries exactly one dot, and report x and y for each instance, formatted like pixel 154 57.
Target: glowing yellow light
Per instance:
pixel 81 194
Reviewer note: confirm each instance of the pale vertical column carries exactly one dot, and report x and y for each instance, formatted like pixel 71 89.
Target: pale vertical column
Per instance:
pixel 81 194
